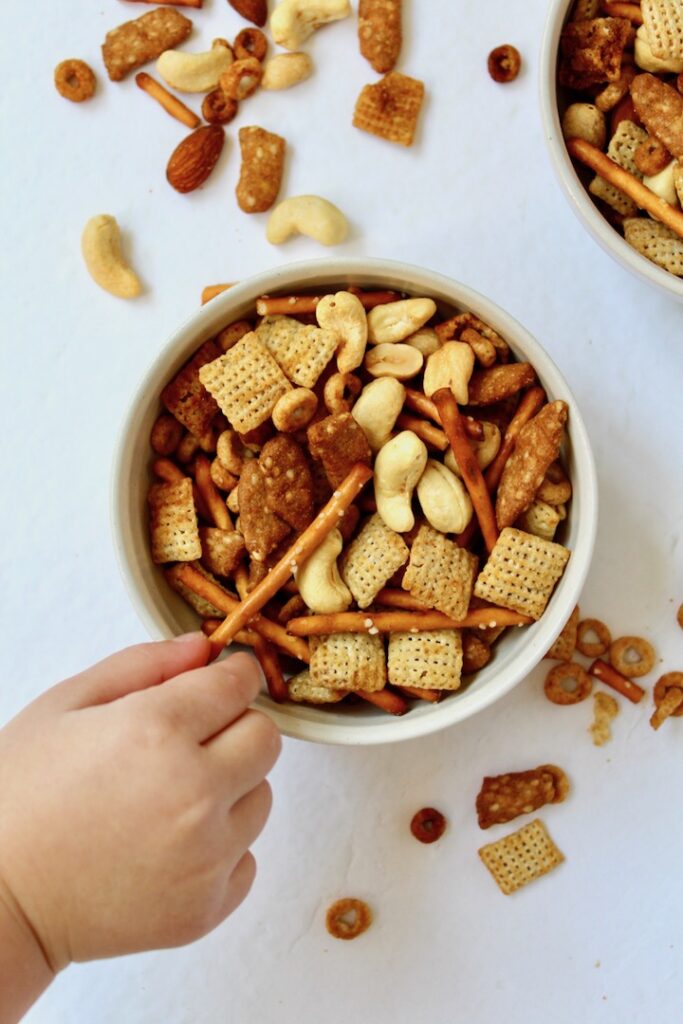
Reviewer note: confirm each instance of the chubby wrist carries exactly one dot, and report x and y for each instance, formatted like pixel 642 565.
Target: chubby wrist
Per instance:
pixel 25 971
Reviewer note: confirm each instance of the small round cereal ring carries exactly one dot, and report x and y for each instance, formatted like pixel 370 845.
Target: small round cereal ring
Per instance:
pixel 217 108
pixel 632 656
pixel 668 682
pixel 348 918
pixel 554 683
pixel 595 648
pixel 651 157
pixel 341 389
pixel 166 434
pixel 242 78
pixel 250 42
pixel 504 63
pixel 75 80
pixel 428 825
pixel 294 410
pixel 555 487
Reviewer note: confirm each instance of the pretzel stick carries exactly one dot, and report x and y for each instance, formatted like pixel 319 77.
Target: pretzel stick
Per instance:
pixel 171 104
pixel 627 182
pixel 212 290
pixel 614 9
pixel 371 299
pixel 272 670
pixel 217 596
pixel 244 637
pixel 312 537
pixel 418 402
pixel 171 3
pixel 172 474
pixel 608 675
pixel 431 435
pixel 452 421
pixel 400 599
pixel 401 622
pixel 433 696
pixel 387 700
pixel 216 505
pixel 293 304
pixel 531 402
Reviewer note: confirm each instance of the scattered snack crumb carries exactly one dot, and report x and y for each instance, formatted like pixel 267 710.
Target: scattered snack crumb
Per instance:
pixel 504 797
pixel 75 80
pixel 348 918
pixel 521 857
pixel 428 825
pixel 666 698
pixel 604 710
pixel 390 108
pixel 504 63
pixel 679 616
pixel 263 159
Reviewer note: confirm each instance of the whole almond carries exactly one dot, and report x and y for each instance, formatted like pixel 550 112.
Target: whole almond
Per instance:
pixel 253 10
pixel 193 160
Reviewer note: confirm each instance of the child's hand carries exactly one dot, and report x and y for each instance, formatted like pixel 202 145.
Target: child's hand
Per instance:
pixel 127 808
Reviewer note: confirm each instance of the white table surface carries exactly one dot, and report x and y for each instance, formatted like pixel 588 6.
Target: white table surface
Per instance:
pixel 601 939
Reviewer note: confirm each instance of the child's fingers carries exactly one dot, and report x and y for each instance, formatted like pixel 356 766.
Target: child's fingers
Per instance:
pixel 204 702
pixel 249 815
pixel 241 881
pixel 245 753
pixel 135 668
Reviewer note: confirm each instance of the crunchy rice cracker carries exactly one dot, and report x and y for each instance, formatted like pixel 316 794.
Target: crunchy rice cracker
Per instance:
pixel 622 149
pixel 663 20
pixel 222 550
pixel 348 661
pixel 187 398
pixel 372 559
pixel 338 442
pixel 660 107
pixel 592 51
pixel 521 857
pixel 288 480
pixel 173 523
pixel 521 572
pixel 203 608
pixel 537 447
pixel 303 690
pixel 565 645
pixel 440 573
pixel 263 530
pixel 390 108
pixel 263 160
pixel 134 43
pixel 246 382
pixel 656 242
pixel 486 387
pixel 429 660
pixel 605 708
pixel 302 351
pixel 504 797
pixel 379 32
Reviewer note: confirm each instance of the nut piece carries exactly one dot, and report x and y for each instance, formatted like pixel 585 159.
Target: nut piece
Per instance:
pixel 195 72
pixel 444 498
pixel 294 410
pixel 285 70
pixel 395 321
pixel 307 215
pixel 450 367
pixel 426 340
pixel 663 184
pixel 377 410
pixel 585 121
pixel 193 160
pixel 252 10
pixel 343 314
pixel 390 360
pixel 320 584
pixel 293 21
pixel 484 450
pixel 101 248
pixel 398 467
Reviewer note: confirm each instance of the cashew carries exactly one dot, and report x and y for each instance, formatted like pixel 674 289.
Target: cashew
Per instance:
pixel 485 450
pixel 426 340
pixel 664 184
pixel 444 498
pixel 195 72
pixel 344 316
pixel 395 321
pixel 101 248
pixel 585 121
pixel 285 70
pixel 293 21
pixel 398 467
pixel 450 367
pixel 307 215
pixel 389 360
pixel 378 408
pixel 320 584
pixel 645 58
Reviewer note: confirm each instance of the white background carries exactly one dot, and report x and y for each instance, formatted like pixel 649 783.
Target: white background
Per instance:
pixel 600 939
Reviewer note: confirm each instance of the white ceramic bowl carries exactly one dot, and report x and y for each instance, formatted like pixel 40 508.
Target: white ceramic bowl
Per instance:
pixel 165 614
pixel 553 104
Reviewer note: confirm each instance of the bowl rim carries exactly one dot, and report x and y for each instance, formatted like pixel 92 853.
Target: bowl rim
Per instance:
pixel 540 635
pixel 607 237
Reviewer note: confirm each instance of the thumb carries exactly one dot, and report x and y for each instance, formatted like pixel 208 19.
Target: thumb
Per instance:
pixel 134 668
